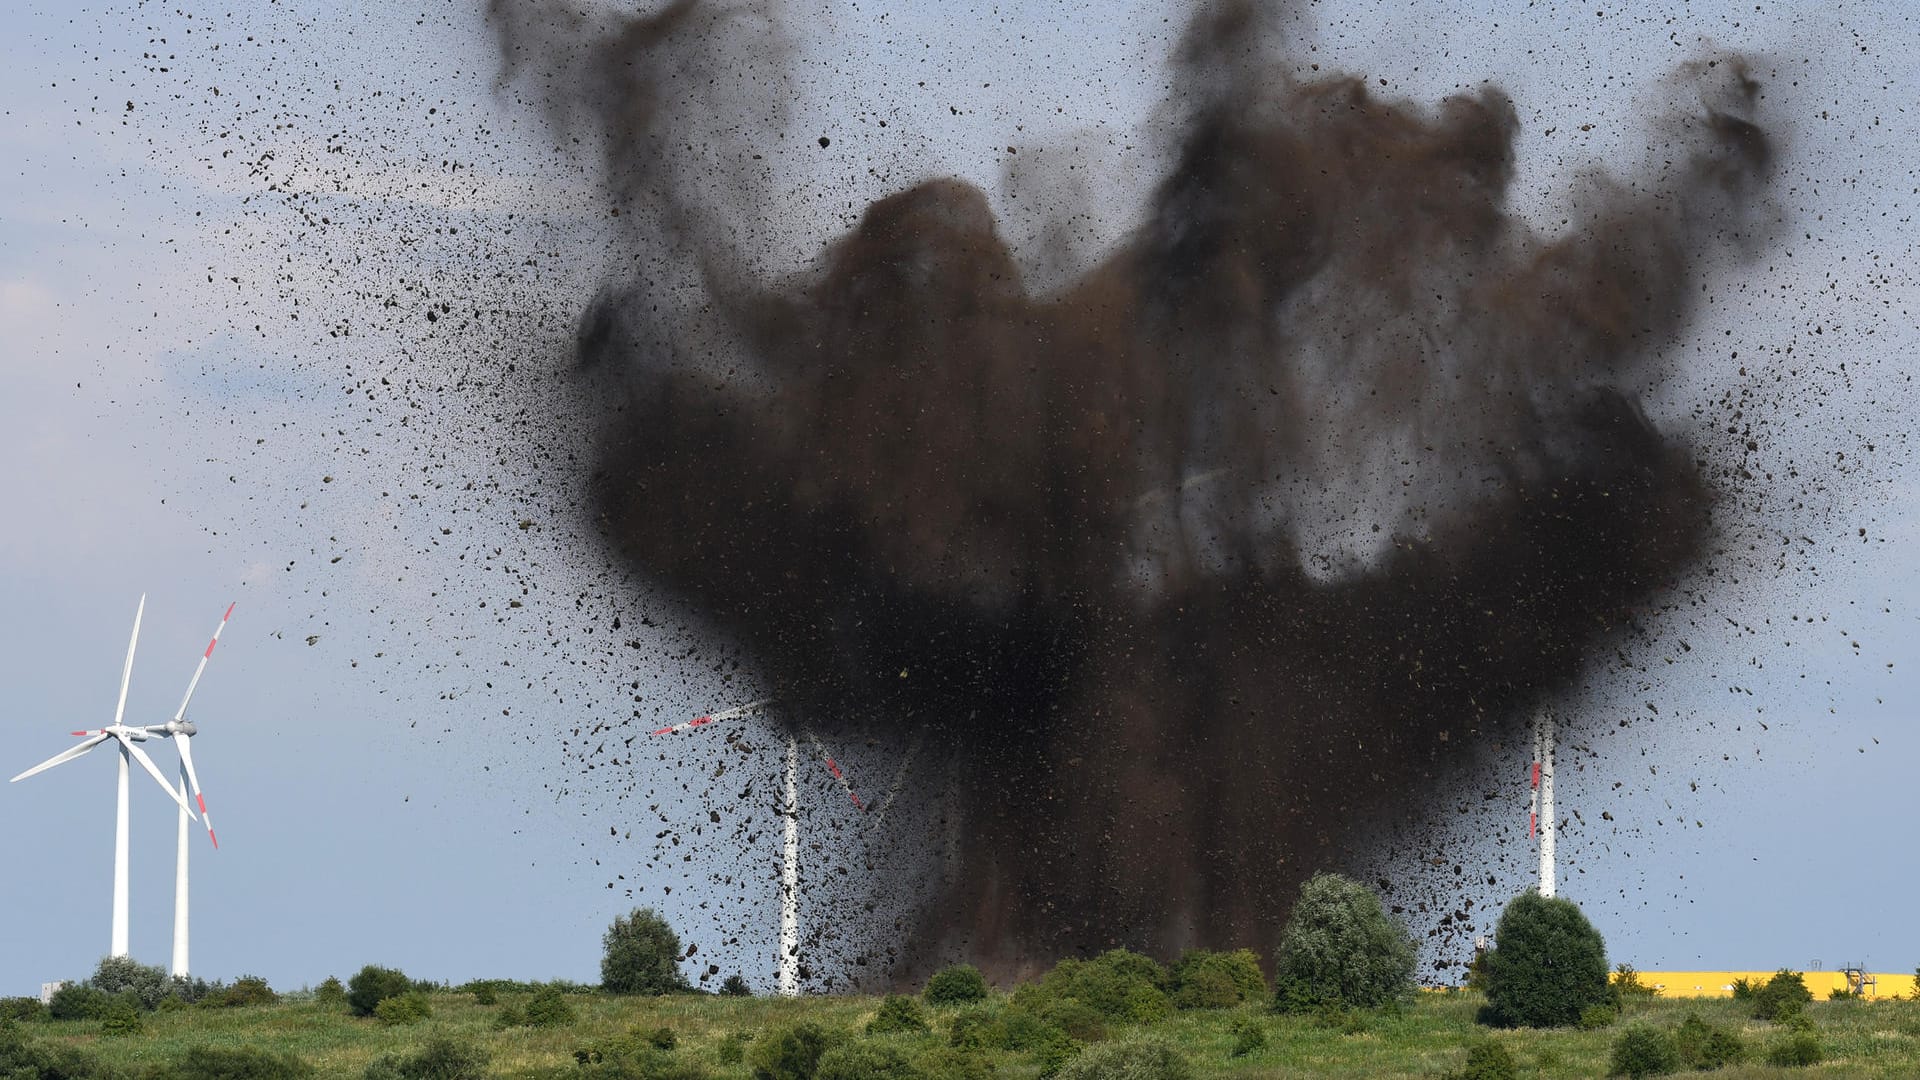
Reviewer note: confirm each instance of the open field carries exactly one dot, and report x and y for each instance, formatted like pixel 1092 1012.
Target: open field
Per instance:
pixel 1862 1039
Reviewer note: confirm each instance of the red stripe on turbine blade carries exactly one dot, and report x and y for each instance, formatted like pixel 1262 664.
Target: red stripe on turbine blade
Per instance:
pixel 664 731
pixel 699 721
pixel 80 734
pixel 215 839
pixel 1536 774
pixel 1533 825
pixel 210 646
pixel 203 803
pixel 229 613
pixel 834 769
pixel 856 800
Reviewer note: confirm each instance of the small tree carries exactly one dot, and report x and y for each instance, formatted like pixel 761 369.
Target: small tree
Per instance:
pixel 1643 1050
pixel 1783 996
pixel 957 985
pixel 1340 949
pixel 642 956
pixel 1547 966
pixel 125 975
pixel 372 985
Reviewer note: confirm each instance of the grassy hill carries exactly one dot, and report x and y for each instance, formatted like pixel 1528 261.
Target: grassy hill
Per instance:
pixel 1427 1039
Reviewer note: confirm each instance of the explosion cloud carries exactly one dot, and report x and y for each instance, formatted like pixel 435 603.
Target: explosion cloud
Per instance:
pixel 1327 475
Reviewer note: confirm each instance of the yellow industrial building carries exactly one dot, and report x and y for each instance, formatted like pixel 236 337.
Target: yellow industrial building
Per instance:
pixel 1822 983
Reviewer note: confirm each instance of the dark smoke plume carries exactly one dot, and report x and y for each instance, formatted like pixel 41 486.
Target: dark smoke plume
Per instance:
pixel 1324 477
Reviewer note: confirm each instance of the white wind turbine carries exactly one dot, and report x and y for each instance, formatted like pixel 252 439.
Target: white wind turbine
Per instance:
pixel 182 731
pixel 1543 822
pixel 788 983
pixel 128 740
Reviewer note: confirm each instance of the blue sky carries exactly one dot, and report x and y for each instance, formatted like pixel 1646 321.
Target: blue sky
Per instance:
pixel 182 416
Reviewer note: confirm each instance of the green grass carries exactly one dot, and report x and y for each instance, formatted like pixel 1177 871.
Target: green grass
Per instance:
pixel 1863 1039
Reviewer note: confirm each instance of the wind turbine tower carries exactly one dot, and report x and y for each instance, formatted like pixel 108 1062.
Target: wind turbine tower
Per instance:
pixel 1543 819
pixel 182 731
pixel 789 984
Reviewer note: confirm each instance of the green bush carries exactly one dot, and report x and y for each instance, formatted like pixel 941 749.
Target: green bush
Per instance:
pixel 947 1063
pixel 1784 995
pixel 123 1018
pixel 441 1059
pixel 864 1061
pixel 232 1063
pixel 1914 993
pixel 1118 984
pixel 372 985
pixel 1743 989
pixel 1487 1060
pixel 1547 966
pixel 22 1058
pixel 957 985
pixel 1595 1017
pixel 642 956
pixel 1144 1059
pixel 146 984
pixel 1643 1050
pixel 246 991
pixel 898 1013
pixel 1704 1046
pixel 547 1008
pixel 409 1008
pixel 78 1001
pixel 1798 1044
pixel 735 985
pixel 1075 1017
pixel 330 991
pixel 1249 1035
pixel 1341 948
pixel 22 1009
pixel 1211 980
pixel 733 1048
pixel 485 994
pixel 1841 993
pixel 1627 984
pixel 510 1016
pixel 790 1053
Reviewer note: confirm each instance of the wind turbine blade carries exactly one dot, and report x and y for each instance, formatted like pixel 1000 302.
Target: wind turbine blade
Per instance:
pixel 126 674
pixel 204 657
pixel 834 768
pixel 729 714
pixel 153 770
pixel 184 743
pixel 64 756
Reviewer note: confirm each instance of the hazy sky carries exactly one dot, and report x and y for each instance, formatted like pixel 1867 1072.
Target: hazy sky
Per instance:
pixel 221 231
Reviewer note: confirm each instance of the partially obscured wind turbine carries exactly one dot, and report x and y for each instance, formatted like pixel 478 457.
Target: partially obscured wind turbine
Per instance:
pixel 182 731
pixel 788 982
pixel 1543 820
pixel 127 738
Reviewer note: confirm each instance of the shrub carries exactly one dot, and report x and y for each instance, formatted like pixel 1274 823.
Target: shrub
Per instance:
pixel 957 985
pixel 408 1008
pixel 789 1053
pixel 509 1016
pixel 547 1008
pixel 485 994
pixel 1841 993
pixel 864 1061
pixel 441 1059
pixel 1704 1046
pixel 1248 1036
pixel 233 1063
pixel 735 986
pixel 898 1013
pixel 22 1008
pixel 1547 965
pixel 1783 996
pixel 1145 1059
pixel 247 990
pixel 1118 984
pixel 1487 1060
pixel 1340 948
pixel 1742 989
pixel 1075 1017
pixel 1914 993
pixel 123 1018
pixel 1211 980
pixel 1595 1017
pixel 1643 1050
pixel 372 985
pixel 733 1048
pixel 946 1063
pixel 125 975
pixel 22 1058
pixel 78 1001
pixel 330 992
pixel 642 956
pixel 1797 1045
pixel 1627 984
pixel 663 1038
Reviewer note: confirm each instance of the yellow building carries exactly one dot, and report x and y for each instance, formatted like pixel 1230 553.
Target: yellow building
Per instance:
pixel 1720 983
